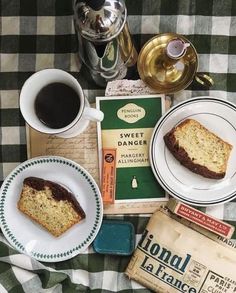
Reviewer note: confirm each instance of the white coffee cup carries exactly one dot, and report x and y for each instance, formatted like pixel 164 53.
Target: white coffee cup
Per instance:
pixel 39 80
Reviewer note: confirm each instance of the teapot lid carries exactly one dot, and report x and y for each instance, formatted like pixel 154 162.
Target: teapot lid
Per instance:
pixel 99 20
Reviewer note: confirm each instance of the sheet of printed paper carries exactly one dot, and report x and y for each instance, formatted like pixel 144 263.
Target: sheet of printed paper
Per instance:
pixel 82 149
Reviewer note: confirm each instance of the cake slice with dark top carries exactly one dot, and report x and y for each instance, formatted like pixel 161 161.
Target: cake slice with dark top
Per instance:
pixel 198 149
pixel 50 204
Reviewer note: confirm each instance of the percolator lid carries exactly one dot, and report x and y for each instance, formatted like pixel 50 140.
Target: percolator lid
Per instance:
pixel 103 24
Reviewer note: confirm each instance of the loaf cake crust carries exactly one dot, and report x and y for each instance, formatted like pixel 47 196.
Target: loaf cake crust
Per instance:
pixel 50 205
pixel 198 149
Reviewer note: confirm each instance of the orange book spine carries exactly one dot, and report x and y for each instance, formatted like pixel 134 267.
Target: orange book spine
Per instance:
pixel 108 175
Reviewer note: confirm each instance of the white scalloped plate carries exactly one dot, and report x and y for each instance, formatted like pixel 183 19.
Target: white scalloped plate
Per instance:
pixel 30 238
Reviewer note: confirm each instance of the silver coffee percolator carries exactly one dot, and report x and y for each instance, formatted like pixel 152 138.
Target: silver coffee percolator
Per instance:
pixel 104 41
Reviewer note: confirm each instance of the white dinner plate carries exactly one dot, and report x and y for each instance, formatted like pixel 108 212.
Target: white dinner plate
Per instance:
pixel 216 115
pixel 29 237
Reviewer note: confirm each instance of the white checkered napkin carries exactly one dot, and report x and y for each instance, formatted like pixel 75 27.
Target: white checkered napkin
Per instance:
pixel 26 275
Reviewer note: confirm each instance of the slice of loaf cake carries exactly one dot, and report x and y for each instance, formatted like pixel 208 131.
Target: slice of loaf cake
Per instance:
pixel 198 149
pixel 50 204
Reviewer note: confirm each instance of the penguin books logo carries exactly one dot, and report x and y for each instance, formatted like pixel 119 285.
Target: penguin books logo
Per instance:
pixel 131 113
pixel 109 158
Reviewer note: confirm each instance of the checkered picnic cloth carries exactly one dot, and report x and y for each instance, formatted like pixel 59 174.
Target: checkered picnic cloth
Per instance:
pixel 39 34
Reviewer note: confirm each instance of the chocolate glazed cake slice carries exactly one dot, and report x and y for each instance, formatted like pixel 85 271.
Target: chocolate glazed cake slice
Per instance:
pixel 198 149
pixel 50 205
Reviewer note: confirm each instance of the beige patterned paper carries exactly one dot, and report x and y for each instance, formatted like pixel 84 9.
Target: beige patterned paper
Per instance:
pixel 82 149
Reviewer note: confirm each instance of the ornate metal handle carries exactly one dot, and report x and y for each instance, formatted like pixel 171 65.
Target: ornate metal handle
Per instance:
pixel 204 79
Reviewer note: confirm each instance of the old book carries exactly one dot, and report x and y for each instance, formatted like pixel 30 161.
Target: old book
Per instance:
pixel 127 128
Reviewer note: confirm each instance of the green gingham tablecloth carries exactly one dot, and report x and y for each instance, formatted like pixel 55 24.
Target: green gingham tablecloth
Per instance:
pixel 40 34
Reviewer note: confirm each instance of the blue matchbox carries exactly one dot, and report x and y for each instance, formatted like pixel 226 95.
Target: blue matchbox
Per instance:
pixel 115 237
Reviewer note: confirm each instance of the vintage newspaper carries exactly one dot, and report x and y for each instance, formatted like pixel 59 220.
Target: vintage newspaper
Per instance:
pixel 172 257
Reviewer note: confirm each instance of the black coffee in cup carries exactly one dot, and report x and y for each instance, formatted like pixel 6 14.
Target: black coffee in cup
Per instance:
pixel 57 105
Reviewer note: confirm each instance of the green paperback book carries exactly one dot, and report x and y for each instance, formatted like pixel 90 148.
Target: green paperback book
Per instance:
pixel 127 127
